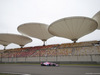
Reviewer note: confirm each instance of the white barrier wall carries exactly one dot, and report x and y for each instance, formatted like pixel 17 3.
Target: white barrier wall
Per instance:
pixel 51 58
pixel 4 59
pixel 96 58
pixel 32 59
pixel 84 58
pixel 87 58
pixel 67 58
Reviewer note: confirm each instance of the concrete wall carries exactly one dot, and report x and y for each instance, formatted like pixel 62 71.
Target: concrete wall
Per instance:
pixel 86 58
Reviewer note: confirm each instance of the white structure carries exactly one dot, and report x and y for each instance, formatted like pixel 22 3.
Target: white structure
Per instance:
pixel 35 30
pixel 73 27
pixel 21 40
pixel 97 18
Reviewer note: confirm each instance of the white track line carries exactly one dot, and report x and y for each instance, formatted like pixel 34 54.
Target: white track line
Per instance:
pixel 15 73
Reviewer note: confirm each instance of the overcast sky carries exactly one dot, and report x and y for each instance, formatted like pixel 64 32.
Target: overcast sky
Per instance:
pixel 16 12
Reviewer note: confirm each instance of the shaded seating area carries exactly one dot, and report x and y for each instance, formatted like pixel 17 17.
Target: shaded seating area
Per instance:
pixel 82 48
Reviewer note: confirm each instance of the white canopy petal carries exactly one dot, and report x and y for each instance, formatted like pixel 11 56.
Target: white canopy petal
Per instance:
pixel 97 18
pixel 73 27
pixel 4 43
pixel 36 30
pixel 14 38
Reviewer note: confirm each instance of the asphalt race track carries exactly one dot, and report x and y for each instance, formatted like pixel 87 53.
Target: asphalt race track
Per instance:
pixel 46 70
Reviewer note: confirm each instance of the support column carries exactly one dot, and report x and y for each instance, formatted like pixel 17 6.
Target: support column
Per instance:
pixel 57 53
pixel 21 46
pixel 44 40
pixel 4 47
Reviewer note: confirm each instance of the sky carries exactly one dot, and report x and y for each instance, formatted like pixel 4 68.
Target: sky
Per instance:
pixel 13 13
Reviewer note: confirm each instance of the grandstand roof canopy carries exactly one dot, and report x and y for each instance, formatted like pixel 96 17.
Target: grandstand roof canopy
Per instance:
pixel 21 40
pixel 97 18
pixel 36 30
pixel 73 27
pixel 4 43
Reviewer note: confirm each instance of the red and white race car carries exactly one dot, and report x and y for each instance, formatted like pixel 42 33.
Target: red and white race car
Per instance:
pixel 48 64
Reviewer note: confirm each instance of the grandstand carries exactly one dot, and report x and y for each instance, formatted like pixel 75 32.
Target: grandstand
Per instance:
pixel 69 27
pixel 70 52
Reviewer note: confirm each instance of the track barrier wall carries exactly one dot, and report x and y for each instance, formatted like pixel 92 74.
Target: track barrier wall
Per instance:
pixel 60 59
